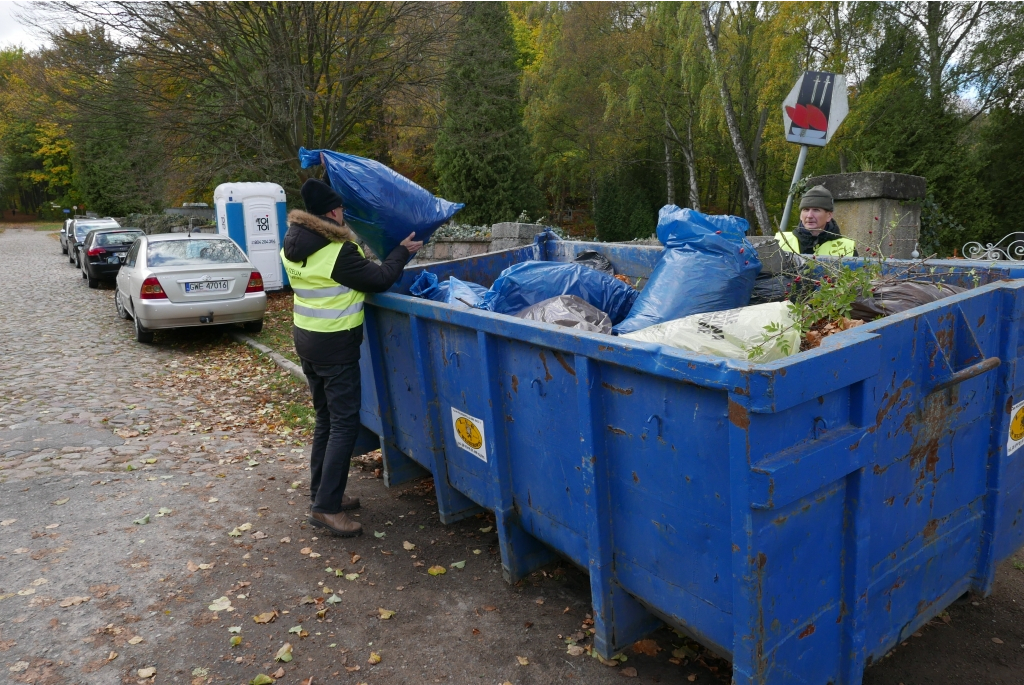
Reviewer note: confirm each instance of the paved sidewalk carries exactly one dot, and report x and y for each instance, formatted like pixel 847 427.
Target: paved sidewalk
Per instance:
pixel 152 498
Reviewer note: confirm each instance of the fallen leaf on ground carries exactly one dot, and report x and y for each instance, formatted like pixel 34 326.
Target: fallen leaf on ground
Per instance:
pixel 458 564
pixel 490 608
pixel 245 526
pixel 259 535
pixel 285 653
pixel 523 661
pixel 374 658
pixel 540 601
pixel 295 485
pixel 146 672
pixel 164 511
pixel 135 640
pixel 386 613
pixel 285 540
pixel 63 500
pixel 151 461
pixel 39 581
pixel 27 591
pixel 628 672
pixel 127 433
pixel 52 526
pixel 352 669
pixel 378 535
pixel 74 601
pixel 235 533
pixel 437 570
pixel 997 641
pixel 333 599
pixel 314 555
pixel 113 655
pixel 575 650
pixel 236 640
pixel 648 647
pixel 266 617
pixel 142 521
pixel 262 679
pixel 692 677
pixel 205 567
pixel 305 550
pixel 279 673
pixel 221 604
pixel 488 529
pixel 235 629
pixel 355 558
pixel 192 567
pixel 7 522
pixel 212 500
pixel 351 576
pixel 295 629
pixel 408 546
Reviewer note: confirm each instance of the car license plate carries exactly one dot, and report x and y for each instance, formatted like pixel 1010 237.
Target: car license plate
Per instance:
pixel 206 287
pixel 113 259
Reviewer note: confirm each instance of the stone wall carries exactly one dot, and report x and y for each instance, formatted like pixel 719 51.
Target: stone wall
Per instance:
pixel 503 236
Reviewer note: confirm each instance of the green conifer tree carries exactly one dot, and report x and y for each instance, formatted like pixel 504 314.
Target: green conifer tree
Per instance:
pixel 482 155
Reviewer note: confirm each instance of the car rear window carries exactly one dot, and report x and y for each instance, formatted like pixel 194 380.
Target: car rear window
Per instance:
pixel 192 252
pixel 82 229
pixel 118 239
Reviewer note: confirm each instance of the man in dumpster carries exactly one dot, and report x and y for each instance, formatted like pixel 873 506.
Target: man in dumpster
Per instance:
pixel 818 233
pixel 329 276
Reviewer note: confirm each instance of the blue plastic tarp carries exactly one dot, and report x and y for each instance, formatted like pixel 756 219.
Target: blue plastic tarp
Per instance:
pixel 528 283
pixel 708 265
pixel 382 206
pixel 452 291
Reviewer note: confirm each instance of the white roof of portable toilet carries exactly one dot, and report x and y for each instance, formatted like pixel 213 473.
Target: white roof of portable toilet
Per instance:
pixel 240 191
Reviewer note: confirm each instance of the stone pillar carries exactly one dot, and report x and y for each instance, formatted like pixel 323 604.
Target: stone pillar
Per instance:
pixel 876 209
pixel 512 234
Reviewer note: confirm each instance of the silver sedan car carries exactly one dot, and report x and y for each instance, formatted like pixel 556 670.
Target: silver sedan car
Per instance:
pixel 176 280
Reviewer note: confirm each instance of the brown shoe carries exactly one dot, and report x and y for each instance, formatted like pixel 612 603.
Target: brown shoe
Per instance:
pixel 339 524
pixel 347 503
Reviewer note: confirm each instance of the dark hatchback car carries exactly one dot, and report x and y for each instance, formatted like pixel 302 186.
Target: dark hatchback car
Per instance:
pixel 103 252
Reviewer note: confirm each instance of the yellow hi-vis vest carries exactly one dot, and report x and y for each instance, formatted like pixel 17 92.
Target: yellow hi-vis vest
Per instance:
pixel 322 304
pixel 840 247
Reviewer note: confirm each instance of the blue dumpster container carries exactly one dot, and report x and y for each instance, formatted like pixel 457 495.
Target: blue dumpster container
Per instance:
pixel 799 517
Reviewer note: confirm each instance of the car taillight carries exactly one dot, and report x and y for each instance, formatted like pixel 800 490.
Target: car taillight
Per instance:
pixel 96 251
pixel 255 283
pixel 151 290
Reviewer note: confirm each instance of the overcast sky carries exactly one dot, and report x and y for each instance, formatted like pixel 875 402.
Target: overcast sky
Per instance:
pixel 13 32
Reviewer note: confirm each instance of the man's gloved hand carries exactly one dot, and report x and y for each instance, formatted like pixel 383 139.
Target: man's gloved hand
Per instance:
pixel 413 246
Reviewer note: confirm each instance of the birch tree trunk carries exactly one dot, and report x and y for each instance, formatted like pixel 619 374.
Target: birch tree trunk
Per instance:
pixel 688 156
pixel 749 174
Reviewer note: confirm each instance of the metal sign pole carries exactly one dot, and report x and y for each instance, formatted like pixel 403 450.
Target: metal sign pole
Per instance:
pixel 797 174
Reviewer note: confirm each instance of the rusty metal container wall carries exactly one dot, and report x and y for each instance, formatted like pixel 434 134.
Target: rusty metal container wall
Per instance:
pixel 801 517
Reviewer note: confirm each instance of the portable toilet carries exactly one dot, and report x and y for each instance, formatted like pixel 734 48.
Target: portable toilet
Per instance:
pixel 254 215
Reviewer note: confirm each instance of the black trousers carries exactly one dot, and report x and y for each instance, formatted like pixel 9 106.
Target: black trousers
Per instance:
pixel 336 399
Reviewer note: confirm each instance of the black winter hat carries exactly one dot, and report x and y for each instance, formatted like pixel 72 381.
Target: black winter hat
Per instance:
pixel 319 197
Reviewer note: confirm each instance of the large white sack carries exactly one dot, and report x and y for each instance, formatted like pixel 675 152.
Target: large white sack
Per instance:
pixel 729 333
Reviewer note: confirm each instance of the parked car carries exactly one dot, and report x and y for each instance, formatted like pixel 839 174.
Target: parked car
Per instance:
pixel 77 231
pixel 63 235
pixel 177 280
pixel 104 250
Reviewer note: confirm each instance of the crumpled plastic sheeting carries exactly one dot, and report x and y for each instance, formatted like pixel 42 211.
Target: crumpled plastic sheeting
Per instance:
pixel 453 291
pixel 527 283
pixel 707 265
pixel 382 206
pixel 893 298
pixel 569 311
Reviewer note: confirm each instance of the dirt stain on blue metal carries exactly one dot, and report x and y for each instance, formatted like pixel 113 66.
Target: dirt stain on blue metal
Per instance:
pixel 621 391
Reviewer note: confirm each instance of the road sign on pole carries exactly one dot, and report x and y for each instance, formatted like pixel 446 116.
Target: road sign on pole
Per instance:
pixel 811 113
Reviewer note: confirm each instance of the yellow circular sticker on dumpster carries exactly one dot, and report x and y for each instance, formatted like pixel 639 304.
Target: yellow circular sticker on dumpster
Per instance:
pixel 469 432
pixel 1017 425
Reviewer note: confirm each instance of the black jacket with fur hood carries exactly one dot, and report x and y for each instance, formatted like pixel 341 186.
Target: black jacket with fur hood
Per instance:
pixel 308 234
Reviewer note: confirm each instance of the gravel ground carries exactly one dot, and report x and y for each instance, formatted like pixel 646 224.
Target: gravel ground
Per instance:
pixel 152 499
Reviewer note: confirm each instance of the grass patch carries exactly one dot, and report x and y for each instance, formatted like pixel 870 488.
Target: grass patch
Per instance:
pixel 48 226
pixel 277 325
pixel 1019 565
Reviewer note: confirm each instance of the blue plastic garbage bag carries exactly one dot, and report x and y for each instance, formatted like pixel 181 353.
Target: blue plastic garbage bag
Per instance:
pixel 382 206
pixel 528 283
pixel 452 291
pixel 707 266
